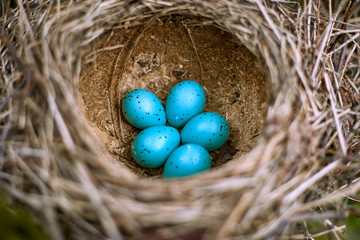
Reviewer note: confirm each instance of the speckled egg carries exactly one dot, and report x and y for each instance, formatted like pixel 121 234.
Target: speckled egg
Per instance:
pixel 185 100
pixel 143 109
pixel 186 160
pixel 153 145
pixel 208 129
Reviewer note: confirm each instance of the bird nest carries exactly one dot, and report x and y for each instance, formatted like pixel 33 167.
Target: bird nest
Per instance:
pixel 284 75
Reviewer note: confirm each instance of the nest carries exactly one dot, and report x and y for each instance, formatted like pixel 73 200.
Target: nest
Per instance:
pixel 66 65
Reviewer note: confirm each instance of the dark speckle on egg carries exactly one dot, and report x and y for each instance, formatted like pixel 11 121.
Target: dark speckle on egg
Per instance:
pixel 209 130
pixel 154 145
pixel 142 113
pixel 186 160
pixel 185 99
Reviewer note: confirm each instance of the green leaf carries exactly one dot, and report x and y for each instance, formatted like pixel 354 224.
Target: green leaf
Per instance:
pixel 16 224
pixel 353 227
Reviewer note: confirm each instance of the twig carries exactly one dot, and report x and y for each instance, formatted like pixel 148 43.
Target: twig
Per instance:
pixel 311 181
pixel 107 221
pixel 342 54
pixel 337 122
pixel 324 42
pixel 235 215
pixel 196 53
pixel 349 12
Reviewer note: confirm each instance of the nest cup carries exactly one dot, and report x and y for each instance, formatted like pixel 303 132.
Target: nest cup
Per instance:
pixel 158 53
pixel 67 152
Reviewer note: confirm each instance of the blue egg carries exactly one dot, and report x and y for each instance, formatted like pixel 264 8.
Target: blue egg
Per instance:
pixel 143 109
pixel 185 100
pixel 153 145
pixel 208 129
pixel 186 160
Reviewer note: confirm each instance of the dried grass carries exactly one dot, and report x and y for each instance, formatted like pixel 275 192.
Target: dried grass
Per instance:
pixel 308 155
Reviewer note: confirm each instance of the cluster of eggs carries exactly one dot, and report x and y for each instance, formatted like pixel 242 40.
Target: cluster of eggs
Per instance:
pixel 158 144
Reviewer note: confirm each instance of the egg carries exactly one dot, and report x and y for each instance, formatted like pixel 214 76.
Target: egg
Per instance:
pixel 153 145
pixel 186 160
pixel 143 109
pixel 207 129
pixel 185 100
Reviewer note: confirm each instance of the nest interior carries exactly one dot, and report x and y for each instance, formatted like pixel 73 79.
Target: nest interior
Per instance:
pixel 158 54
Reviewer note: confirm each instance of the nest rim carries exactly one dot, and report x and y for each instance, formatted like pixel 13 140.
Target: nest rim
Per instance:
pixel 85 178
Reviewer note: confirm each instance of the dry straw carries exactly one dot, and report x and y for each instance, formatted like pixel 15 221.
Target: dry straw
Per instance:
pixel 306 160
